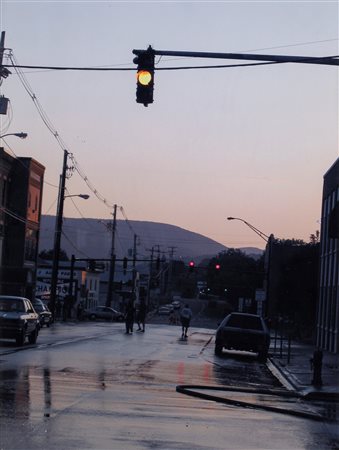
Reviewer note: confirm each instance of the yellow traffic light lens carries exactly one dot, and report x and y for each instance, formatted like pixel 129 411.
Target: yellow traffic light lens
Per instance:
pixel 144 77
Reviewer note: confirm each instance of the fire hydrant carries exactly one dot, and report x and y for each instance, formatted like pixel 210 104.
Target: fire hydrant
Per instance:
pixel 316 366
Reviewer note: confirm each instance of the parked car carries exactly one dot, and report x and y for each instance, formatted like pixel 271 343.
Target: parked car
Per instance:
pixel 176 304
pixel 103 312
pixel 18 319
pixel 246 332
pixel 165 310
pixel 45 315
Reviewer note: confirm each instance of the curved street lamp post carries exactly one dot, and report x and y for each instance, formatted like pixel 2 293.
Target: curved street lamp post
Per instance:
pixel 269 241
pixel 21 135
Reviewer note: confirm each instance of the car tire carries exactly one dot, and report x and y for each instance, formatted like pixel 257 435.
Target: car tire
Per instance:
pixel 262 357
pixel 20 340
pixel 33 337
pixel 92 317
pixel 218 350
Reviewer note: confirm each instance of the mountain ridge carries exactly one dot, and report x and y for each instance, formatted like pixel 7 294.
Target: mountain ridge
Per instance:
pixel 92 238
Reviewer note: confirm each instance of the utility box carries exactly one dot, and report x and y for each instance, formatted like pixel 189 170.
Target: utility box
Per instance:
pixel 3 104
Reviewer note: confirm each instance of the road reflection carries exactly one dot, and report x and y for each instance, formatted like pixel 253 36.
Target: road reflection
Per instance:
pixel 14 393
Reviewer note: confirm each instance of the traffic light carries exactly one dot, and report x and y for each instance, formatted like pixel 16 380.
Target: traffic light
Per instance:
pixel 217 266
pixel 145 75
pixel 191 266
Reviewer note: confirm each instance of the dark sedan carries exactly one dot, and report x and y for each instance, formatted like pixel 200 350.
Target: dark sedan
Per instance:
pixel 103 312
pixel 246 332
pixel 45 315
pixel 18 319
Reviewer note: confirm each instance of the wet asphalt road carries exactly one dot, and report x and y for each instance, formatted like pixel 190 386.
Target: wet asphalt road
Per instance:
pixel 90 386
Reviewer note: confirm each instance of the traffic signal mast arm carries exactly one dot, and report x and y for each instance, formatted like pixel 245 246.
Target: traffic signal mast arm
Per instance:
pixel 326 60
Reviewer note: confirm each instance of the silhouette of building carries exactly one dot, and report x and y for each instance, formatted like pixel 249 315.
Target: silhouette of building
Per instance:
pixel 21 187
pixel 328 306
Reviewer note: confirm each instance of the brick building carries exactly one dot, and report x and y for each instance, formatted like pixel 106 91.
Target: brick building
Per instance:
pixel 21 187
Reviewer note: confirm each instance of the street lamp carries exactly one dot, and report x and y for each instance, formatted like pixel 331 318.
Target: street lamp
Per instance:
pixel 260 233
pixel 57 233
pixel 84 196
pixel 19 135
pixel 269 241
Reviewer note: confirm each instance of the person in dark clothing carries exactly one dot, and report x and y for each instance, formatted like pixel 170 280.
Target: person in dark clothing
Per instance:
pixel 141 317
pixel 129 317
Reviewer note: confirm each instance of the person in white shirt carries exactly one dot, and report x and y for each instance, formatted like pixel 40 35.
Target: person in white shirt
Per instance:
pixel 185 318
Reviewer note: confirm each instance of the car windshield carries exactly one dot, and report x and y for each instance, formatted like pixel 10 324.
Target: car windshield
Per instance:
pixel 243 321
pixel 38 307
pixel 11 305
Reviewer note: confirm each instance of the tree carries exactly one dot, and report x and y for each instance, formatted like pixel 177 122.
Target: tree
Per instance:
pixel 294 283
pixel 315 238
pixel 239 275
pixel 290 242
pixel 48 255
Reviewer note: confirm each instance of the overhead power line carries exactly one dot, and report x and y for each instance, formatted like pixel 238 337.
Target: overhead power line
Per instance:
pixel 126 69
pixel 60 141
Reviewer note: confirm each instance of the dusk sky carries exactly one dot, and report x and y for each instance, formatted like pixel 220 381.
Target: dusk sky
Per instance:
pixel 250 142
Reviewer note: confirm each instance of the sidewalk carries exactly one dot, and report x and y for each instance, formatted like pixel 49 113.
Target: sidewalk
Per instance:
pixel 296 374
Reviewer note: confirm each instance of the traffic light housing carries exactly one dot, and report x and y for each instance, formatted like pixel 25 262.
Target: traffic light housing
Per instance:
pixel 145 75
pixel 217 267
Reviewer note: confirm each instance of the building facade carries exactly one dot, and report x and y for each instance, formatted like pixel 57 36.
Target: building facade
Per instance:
pixel 21 188
pixel 328 306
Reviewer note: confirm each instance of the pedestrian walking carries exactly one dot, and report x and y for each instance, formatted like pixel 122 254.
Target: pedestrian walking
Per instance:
pixel 141 316
pixel 185 318
pixel 129 316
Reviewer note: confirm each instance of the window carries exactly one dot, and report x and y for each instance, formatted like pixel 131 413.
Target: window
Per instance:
pixel 246 322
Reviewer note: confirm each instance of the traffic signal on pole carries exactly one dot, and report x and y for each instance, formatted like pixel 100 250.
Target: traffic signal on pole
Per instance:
pixel 191 266
pixel 217 266
pixel 145 75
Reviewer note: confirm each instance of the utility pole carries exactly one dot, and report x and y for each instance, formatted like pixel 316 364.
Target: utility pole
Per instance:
pixel 150 277
pixel 112 262
pixel 170 269
pixel 134 263
pixel 3 71
pixel 3 74
pixel 2 49
pixel 57 235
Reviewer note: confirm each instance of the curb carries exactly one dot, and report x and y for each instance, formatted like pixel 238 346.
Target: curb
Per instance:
pixel 281 376
pixel 290 382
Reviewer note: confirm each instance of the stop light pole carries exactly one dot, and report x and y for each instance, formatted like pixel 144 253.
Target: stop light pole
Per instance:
pixel 145 61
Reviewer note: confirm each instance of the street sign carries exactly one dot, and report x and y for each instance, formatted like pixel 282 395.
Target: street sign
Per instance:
pixel 260 295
